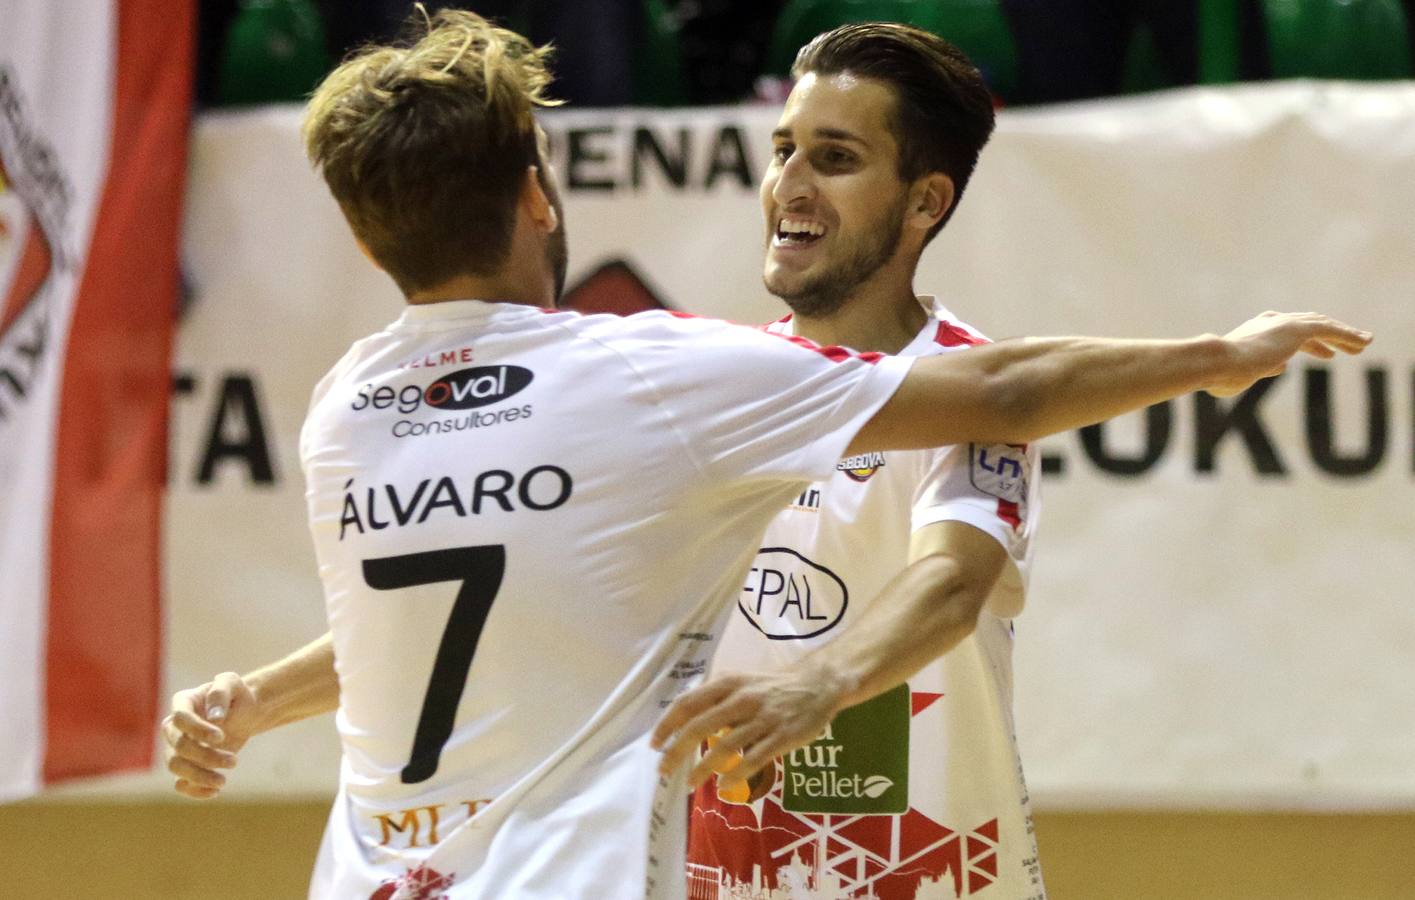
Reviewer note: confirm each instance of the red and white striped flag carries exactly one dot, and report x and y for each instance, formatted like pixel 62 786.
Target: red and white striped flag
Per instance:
pixel 94 112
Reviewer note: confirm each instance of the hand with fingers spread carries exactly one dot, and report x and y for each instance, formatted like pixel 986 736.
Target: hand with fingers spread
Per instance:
pixel 1263 345
pixel 760 716
pixel 207 727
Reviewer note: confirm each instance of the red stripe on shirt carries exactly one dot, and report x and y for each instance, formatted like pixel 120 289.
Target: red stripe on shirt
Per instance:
pixel 1007 511
pixel 834 353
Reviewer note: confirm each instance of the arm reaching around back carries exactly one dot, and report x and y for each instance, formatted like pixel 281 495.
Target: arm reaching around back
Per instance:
pixel 209 724
pixel 921 614
pixel 1017 391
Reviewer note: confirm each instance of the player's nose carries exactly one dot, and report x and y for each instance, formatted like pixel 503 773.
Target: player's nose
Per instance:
pixel 794 184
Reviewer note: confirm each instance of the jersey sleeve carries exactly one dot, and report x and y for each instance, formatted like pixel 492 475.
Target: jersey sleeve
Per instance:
pixel 989 486
pixel 320 394
pixel 748 404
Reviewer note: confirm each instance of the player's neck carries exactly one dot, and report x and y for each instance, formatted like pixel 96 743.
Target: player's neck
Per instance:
pixel 868 320
pixel 500 287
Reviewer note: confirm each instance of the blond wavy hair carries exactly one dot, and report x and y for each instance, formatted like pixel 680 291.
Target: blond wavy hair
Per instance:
pixel 425 145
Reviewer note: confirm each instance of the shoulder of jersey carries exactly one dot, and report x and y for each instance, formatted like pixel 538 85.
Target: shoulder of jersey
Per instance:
pixel 649 318
pixel 951 333
pixel 780 326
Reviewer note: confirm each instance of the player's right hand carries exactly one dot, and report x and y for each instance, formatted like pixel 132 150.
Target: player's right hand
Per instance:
pixel 206 728
pixel 1262 346
pixel 752 719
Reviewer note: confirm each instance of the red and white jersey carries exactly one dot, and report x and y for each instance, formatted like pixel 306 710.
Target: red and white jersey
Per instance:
pixel 917 794
pixel 530 526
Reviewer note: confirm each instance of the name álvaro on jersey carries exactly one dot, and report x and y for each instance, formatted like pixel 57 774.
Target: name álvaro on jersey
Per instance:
pixel 376 507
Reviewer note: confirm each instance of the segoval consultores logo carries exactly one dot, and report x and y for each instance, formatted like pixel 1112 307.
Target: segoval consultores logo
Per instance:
pixel 481 386
pixel 463 389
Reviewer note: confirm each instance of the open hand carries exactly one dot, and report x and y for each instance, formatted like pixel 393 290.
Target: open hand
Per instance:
pixel 1263 345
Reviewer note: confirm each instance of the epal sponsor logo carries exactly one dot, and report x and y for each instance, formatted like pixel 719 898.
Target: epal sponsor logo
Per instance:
pixel 858 766
pixel 463 389
pixel 1000 470
pixel 788 597
pixel 860 468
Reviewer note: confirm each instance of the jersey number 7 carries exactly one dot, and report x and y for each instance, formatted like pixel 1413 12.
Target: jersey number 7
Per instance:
pixel 479 569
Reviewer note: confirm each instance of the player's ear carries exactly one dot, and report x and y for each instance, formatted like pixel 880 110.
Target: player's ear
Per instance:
pixel 930 199
pixel 536 202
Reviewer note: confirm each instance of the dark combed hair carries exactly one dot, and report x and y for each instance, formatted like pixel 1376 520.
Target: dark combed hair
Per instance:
pixel 426 145
pixel 943 113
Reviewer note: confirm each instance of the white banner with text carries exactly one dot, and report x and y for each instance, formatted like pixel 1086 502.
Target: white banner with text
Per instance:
pixel 1222 607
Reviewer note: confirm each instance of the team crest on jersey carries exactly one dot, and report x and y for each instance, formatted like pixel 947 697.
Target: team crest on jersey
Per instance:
pixel 1000 470
pixel 860 468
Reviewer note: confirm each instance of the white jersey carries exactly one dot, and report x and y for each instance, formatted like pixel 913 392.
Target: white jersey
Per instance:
pixel 529 525
pixel 918 793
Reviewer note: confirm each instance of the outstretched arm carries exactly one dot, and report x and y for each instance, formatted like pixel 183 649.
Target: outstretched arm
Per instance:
pixel 1017 391
pixel 209 724
pixel 921 614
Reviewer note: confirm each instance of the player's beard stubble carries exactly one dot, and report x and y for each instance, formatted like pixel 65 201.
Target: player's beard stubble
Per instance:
pixel 824 292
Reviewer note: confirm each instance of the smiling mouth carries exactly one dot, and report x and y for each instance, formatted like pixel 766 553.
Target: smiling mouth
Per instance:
pixel 797 233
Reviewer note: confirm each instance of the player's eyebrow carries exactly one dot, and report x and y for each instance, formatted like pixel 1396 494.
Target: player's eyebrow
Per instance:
pixel 829 134
pixel 840 134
